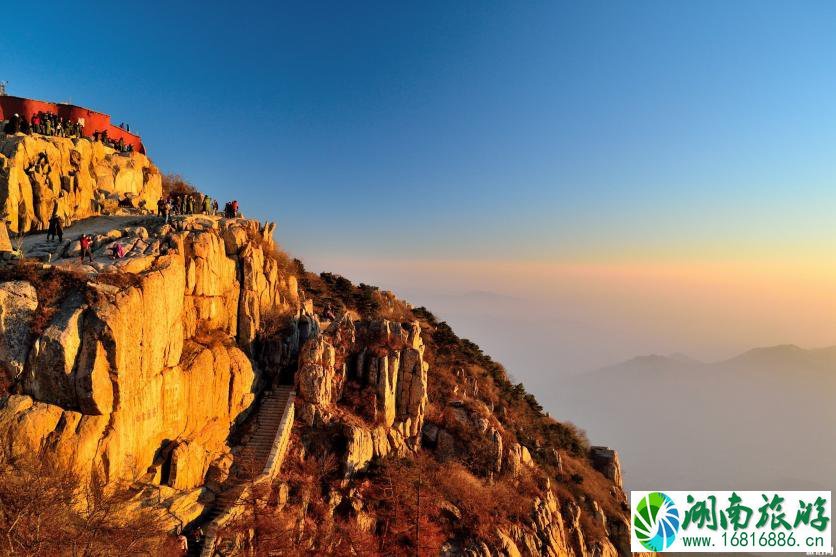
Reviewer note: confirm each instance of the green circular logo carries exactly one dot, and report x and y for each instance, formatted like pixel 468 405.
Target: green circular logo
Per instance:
pixel 656 521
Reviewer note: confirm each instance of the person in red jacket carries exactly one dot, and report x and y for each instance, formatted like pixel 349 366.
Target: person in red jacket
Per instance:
pixel 86 242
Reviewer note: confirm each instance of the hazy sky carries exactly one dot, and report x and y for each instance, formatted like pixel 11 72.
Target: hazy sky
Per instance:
pixel 620 178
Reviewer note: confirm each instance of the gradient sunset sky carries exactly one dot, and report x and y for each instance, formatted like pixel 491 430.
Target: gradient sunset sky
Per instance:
pixel 621 177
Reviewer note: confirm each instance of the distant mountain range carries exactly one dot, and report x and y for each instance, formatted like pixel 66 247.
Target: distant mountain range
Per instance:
pixel 763 419
pixel 787 356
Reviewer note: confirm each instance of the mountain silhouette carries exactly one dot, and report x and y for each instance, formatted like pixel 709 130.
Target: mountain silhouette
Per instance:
pixel 762 419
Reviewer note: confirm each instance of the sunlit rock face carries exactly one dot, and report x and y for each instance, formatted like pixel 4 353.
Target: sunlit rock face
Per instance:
pixel 127 367
pixel 82 177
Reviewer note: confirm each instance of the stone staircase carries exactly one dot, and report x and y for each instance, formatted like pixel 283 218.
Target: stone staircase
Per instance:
pixel 258 461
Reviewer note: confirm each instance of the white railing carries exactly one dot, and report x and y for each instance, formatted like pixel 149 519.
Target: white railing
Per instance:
pixel 271 469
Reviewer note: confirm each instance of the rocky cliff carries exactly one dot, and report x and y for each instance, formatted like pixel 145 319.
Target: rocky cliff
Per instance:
pixel 125 373
pixel 157 372
pixel 83 177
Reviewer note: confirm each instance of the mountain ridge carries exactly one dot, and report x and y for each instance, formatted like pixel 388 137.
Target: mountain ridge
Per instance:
pixel 789 353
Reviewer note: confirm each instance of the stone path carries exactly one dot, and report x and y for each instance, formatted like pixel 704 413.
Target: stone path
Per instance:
pixel 259 460
pixel 93 225
pixel 128 230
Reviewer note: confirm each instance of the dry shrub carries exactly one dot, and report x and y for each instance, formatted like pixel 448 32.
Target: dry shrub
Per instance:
pixel 361 400
pixel 121 279
pixel 523 419
pixel 175 183
pixel 209 337
pixel 274 323
pixel 403 494
pixel 286 265
pixel 594 485
pixel 329 289
pixel 52 286
pixel 484 505
pixel 393 308
pixel 47 510
pixel 6 379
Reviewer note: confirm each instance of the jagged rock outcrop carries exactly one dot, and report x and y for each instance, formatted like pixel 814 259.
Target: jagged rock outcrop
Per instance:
pixel 606 461
pixel 83 177
pixel 386 360
pixel 546 533
pixel 516 458
pixel 157 364
pixel 18 301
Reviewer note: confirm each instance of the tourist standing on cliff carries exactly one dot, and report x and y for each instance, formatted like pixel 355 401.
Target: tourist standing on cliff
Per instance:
pixel 117 250
pixel 14 124
pixel 59 228
pixel 55 229
pixel 86 241
pixel 50 232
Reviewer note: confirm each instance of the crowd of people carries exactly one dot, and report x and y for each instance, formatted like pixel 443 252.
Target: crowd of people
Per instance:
pixel 189 204
pixel 231 209
pixel 50 123
pixel 179 203
pixel 45 123
pixel 119 144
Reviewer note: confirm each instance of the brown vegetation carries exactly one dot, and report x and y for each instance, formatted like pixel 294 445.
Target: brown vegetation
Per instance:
pixel 286 265
pixel 336 291
pixel 174 183
pixel 461 496
pixel 47 510
pixel 51 285
pixel 521 414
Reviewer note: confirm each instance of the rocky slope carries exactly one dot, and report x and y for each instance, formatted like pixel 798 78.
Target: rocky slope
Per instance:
pixel 150 372
pixel 384 382
pixel 84 177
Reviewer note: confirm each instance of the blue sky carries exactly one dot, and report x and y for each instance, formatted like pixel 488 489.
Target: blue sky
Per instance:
pixel 478 129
